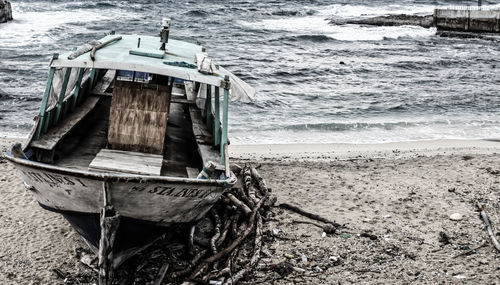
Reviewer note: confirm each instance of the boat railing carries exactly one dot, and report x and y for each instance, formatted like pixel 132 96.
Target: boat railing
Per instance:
pixel 68 95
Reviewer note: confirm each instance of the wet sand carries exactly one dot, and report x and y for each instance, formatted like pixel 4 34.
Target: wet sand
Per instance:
pixel 402 194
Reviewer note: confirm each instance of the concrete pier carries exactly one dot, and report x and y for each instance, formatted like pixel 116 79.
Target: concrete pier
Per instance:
pixel 472 19
pixel 5 11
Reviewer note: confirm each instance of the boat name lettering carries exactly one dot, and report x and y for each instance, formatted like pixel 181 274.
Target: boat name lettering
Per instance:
pixel 173 191
pixel 53 179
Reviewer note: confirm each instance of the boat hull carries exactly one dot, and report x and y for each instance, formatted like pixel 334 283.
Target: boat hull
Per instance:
pixel 148 206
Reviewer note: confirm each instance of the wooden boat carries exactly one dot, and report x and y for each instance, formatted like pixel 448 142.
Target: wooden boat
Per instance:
pixel 126 125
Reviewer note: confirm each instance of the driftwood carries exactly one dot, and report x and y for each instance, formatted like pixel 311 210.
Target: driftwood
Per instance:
pixel 308 214
pixel 328 228
pixel 161 274
pixel 488 226
pixel 255 258
pixel 239 204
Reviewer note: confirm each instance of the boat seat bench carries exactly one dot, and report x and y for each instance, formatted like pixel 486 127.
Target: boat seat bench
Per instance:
pixel 109 160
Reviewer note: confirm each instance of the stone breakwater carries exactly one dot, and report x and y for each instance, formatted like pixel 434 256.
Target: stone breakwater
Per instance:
pixel 5 11
pixel 468 19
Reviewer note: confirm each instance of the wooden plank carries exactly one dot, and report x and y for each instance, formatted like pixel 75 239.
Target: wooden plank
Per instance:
pixel 127 162
pixel 104 83
pixel 138 117
pixel 203 137
pixel 208 153
pixel 50 139
pixel 200 131
pixel 176 99
pixel 225 108
pixel 192 172
pixel 41 122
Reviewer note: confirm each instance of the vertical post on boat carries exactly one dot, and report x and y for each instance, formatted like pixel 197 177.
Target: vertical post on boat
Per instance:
pixel 93 75
pixel 225 110
pixel 109 225
pixel 208 107
pixel 217 117
pixel 61 94
pixel 44 103
pixel 78 88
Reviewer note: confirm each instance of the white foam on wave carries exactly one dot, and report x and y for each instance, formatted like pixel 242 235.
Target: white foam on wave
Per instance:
pixel 317 25
pixel 33 27
pixel 356 11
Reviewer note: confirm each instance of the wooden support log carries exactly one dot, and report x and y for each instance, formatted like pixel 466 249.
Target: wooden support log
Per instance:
pixel 488 226
pixel 307 214
pixel 109 225
pixel 239 204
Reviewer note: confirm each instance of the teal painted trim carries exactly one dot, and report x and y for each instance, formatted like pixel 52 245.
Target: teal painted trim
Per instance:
pixel 225 110
pixel 217 117
pixel 77 89
pixel 47 120
pixel 208 108
pixel 92 79
pixel 44 103
pixel 147 53
pixel 61 95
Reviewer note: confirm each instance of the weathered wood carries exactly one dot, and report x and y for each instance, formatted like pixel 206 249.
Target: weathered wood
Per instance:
pixel 239 204
pixel 192 172
pixel 235 243
pixel 224 122
pixel 49 140
pixel 488 226
pixel 307 214
pixel 127 162
pixel 180 100
pixel 99 46
pixel 105 82
pixel 200 131
pixel 109 225
pixel 138 117
pixel 234 279
pixel 45 98
pixel 161 274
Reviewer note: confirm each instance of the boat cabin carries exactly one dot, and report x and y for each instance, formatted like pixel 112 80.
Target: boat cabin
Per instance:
pixel 137 105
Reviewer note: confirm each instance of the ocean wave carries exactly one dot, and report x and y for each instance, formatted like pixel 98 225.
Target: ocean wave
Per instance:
pixel 356 11
pixel 320 27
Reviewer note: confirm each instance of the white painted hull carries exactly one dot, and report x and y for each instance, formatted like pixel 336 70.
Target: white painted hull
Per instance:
pixel 154 199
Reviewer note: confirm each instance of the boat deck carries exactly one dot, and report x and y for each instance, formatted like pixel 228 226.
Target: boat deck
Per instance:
pixel 80 149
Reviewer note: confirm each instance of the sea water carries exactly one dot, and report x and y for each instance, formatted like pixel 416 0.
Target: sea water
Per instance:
pixel 316 82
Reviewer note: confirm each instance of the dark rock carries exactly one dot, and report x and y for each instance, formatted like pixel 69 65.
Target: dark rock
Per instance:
pixel 5 11
pixel 391 20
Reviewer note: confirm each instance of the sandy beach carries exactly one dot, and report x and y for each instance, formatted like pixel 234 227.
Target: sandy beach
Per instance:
pixel 394 199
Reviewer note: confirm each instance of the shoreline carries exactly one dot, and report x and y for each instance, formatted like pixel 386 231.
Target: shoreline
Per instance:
pixel 343 151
